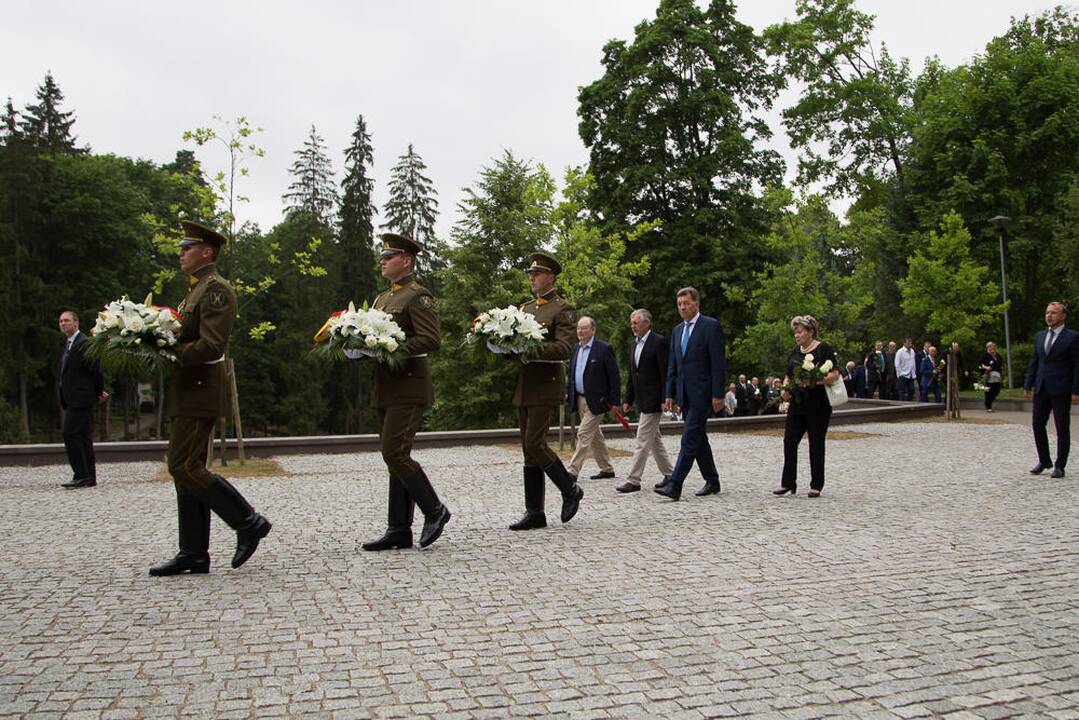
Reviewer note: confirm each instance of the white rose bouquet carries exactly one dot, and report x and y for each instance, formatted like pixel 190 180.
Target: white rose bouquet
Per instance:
pixel 507 330
pixel 361 333
pixel 807 376
pixel 133 339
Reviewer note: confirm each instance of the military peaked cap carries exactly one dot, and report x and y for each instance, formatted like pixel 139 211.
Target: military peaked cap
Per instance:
pixel 195 233
pixel 394 244
pixel 543 262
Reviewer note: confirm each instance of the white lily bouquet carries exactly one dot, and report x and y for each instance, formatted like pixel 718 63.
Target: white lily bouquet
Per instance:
pixel 361 333
pixel 806 376
pixel 507 330
pixel 133 339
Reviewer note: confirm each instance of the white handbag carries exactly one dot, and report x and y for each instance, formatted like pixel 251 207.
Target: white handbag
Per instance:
pixel 837 393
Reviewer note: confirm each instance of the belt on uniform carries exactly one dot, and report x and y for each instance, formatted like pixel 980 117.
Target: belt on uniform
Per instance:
pixel 417 356
pixel 214 362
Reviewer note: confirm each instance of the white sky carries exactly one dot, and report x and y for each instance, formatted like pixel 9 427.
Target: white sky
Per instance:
pixel 461 80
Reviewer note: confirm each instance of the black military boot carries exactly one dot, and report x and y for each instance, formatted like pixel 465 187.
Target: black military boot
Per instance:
pixel 571 491
pixel 534 516
pixel 399 515
pixel 233 508
pixel 435 514
pixel 193 518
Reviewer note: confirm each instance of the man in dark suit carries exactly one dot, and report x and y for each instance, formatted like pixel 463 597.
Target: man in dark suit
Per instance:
pixel 891 379
pixel 81 388
pixel 755 396
pixel 592 386
pixel 875 368
pixel 1053 378
pixel 741 394
pixel 696 376
pixel 858 379
pixel 645 386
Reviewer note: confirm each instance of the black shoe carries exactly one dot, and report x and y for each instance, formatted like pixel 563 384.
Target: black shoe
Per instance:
pixel 668 489
pixel 666 479
pixel 80 483
pixel 1039 468
pixel 247 539
pixel 432 526
pixel 813 494
pixel 628 487
pixel 531 520
pixel 390 540
pixel 708 489
pixel 785 490
pixel 602 475
pixel 571 502
pixel 1057 473
pixel 194 564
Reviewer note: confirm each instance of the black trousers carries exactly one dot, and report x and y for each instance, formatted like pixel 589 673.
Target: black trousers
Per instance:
pixel 816 424
pixel 77 426
pixel 1060 406
pixel 991 394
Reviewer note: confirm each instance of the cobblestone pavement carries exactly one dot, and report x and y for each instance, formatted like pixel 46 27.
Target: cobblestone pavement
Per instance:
pixel 934 578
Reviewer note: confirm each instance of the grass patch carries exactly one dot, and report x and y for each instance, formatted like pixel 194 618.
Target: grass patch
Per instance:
pixel 252 467
pixel 1013 394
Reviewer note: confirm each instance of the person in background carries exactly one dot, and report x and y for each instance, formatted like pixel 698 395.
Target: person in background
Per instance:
pixel 648 355
pixel 927 375
pixel 82 387
pixel 730 401
pixel 906 369
pixel 1053 378
pixel 992 368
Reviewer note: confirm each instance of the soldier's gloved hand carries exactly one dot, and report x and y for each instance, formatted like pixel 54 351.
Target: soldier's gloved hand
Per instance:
pixel 353 354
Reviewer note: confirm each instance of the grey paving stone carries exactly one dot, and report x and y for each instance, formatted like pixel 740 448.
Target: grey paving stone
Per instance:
pixel 934 578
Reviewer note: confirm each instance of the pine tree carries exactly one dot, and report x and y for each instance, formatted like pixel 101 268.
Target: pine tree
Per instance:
pixel 412 208
pixel 355 229
pixel 9 124
pixel 45 125
pixel 312 189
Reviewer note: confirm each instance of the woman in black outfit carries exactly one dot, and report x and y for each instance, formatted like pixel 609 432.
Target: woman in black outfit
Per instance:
pixel 993 368
pixel 809 411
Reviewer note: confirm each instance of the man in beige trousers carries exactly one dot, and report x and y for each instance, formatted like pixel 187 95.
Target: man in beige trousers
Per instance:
pixel 592 387
pixel 647 376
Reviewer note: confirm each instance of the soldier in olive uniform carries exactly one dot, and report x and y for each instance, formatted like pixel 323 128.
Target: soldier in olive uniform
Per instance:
pixel 197 397
pixel 540 387
pixel 401 395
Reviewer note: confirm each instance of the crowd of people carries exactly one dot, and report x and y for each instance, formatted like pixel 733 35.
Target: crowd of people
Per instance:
pixel 684 375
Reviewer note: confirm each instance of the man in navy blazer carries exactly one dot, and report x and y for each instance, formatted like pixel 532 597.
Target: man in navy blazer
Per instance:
pixel 646 386
pixel 592 386
pixel 82 387
pixel 1053 379
pixel 696 380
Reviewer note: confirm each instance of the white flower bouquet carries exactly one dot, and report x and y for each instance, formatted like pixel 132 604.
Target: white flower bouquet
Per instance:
pixel 806 376
pixel 133 339
pixel 356 333
pixel 507 330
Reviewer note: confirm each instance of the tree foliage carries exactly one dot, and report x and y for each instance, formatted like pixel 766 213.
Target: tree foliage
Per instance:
pixel 950 289
pixel 674 131
pixel 412 209
pixel 312 189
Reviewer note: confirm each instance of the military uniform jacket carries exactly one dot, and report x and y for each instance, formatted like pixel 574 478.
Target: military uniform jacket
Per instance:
pixel 540 378
pixel 413 309
pixel 207 314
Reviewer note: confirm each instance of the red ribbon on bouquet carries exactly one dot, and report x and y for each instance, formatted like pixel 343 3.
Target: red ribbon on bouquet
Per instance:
pixel 621 417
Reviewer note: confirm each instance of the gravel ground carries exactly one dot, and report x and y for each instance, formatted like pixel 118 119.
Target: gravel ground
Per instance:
pixel 935 577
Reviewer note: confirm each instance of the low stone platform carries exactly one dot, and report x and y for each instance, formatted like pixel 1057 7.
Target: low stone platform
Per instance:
pixel 934 578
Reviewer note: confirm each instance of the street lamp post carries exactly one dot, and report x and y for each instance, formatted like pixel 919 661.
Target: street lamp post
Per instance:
pixel 999 221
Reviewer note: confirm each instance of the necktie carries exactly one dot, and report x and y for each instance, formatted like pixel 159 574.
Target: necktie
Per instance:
pixel 1049 341
pixel 685 337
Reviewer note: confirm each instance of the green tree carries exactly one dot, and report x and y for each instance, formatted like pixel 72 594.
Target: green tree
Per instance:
pixel 674 133
pixel 596 278
pixel 852 118
pixel 412 208
pixel 822 274
pixel 45 125
pixel 950 289
pixel 312 188
pixel 355 237
pixel 997 137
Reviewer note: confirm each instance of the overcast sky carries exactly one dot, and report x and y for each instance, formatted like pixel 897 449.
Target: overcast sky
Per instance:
pixel 460 80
